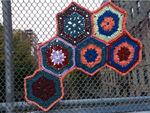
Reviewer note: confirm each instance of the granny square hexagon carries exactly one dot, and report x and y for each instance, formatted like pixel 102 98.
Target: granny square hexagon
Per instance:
pixel 87 41
pixel 43 89
pixel 56 56
pixel 74 23
pixel 91 55
pixel 108 21
pixel 124 54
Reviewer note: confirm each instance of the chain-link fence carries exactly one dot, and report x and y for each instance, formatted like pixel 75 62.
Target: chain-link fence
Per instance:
pixel 28 23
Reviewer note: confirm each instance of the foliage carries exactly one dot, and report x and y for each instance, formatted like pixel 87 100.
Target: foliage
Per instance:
pixel 23 62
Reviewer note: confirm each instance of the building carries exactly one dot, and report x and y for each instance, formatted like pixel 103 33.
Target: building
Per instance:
pixel 137 82
pixel 34 41
pixel 27 34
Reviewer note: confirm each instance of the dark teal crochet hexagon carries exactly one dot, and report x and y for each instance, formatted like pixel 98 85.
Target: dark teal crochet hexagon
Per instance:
pixel 65 46
pixel 74 25
pixel 44 104
pixel 86 24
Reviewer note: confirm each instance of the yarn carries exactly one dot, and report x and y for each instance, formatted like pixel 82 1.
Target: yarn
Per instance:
pixel 43 89
pixel 61 63
pixel 74 23
pixel 108 21
pixel 91 55
pixel 124 54
pixel 87 41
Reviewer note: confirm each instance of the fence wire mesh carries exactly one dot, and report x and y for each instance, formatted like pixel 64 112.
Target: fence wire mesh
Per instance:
pixel 34 22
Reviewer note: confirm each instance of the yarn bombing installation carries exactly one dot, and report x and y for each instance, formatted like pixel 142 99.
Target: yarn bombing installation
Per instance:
pixel 85 40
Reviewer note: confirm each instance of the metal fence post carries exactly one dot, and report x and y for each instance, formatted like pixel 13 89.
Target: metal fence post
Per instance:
pixel 8 45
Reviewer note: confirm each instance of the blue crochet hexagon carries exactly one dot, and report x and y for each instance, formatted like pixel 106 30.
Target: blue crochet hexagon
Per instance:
pixel 128 66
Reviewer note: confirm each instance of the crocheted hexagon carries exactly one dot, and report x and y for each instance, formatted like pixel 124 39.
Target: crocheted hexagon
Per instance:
pixel 74 23
pixel 108 21
pixel 91 55
pixel 43 89
pixel 56 56
pixel 124 54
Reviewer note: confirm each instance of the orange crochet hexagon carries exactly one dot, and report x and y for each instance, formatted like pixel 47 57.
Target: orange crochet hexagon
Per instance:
pixel 91 55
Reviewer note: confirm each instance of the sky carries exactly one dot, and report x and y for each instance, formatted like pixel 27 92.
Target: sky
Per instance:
pixel 39 15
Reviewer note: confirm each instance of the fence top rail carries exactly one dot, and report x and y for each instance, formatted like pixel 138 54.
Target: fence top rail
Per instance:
pixel 25 105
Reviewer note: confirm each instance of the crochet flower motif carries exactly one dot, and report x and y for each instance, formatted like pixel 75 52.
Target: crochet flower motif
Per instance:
pixel 91 55
pixel 74 25
pixel 43 88
pixel 57 56
pixel 123 54
pixel 108 24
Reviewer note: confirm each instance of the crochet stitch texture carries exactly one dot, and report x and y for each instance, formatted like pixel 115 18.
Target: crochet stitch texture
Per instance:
pixel 85 40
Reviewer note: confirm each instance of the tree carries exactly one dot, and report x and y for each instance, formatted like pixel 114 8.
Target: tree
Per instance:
pixel 23 62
